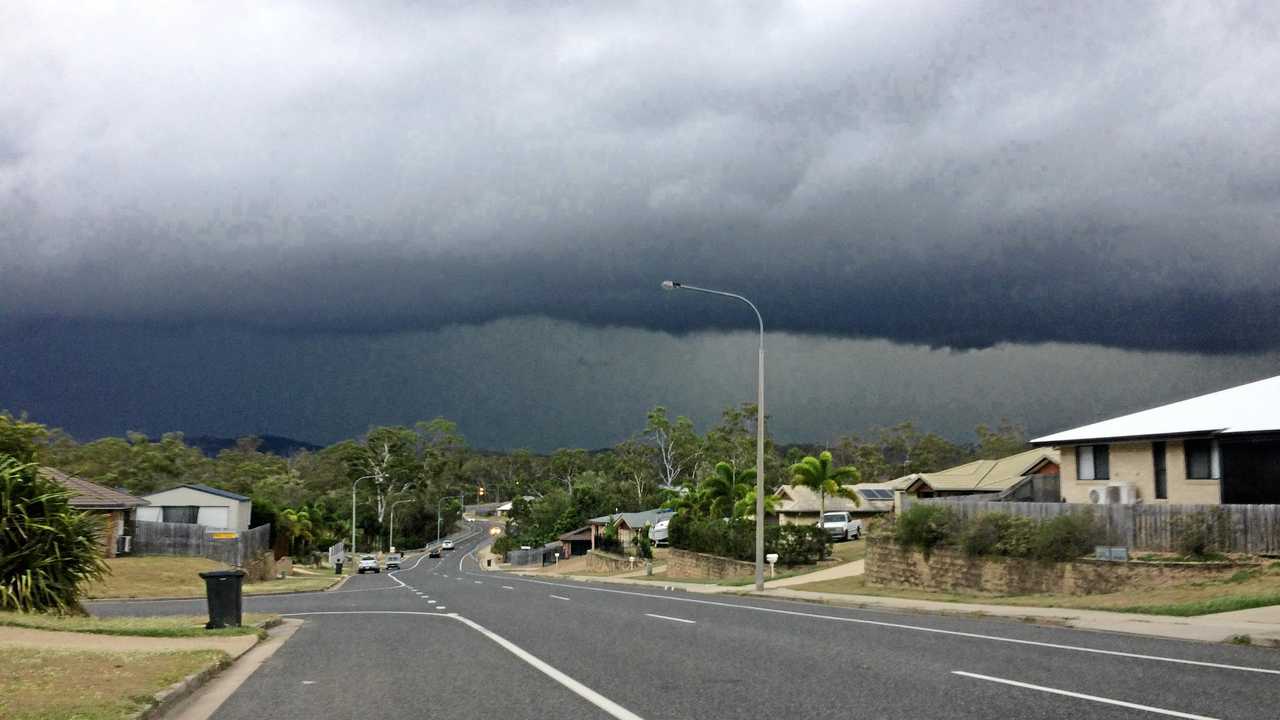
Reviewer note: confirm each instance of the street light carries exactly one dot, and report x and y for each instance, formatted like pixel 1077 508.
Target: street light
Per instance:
pixel 391 535
pixel 671 285
pixel 353 510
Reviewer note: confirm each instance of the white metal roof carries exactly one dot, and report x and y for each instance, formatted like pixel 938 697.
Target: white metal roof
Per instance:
pixel 1250 408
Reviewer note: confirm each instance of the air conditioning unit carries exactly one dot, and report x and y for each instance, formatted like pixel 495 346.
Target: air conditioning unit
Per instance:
pixel 1122 493
pixel 124 544
pixel 1098 497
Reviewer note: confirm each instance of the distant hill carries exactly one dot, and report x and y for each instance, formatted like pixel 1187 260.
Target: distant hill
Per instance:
pixel 273 444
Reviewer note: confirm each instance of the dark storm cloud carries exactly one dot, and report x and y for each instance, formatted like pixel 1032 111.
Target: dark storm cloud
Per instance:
pixel 950 175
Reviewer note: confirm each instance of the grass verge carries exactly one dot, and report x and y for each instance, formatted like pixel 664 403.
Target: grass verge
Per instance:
pixel 168 626
pixel 39 684
pixel 156 576
pixel 1244 590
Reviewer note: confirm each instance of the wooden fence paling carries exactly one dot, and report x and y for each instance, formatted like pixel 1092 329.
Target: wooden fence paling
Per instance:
pixel 1247 528
pixel 162 538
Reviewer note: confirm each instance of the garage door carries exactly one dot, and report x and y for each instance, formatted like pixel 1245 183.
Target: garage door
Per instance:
pixel 213 517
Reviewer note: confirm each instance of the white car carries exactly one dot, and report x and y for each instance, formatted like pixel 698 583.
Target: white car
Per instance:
pixel 446 545
pixel 368 563
pixel 841 526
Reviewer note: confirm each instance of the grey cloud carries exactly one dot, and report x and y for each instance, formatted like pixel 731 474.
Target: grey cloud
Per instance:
pixel 1091 172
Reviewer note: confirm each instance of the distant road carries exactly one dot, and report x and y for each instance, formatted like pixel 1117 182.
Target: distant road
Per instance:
pixel 443 638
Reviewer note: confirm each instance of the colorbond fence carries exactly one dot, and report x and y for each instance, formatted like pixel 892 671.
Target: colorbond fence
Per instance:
pixel 231 547
pixel 1238 528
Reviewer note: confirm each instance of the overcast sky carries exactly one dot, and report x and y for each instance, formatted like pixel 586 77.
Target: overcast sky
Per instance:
pixel 266 187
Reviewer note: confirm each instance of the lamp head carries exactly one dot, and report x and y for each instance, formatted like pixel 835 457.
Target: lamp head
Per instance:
pixel 669 285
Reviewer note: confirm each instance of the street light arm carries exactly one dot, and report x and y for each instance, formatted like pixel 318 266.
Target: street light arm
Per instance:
pixel 669 285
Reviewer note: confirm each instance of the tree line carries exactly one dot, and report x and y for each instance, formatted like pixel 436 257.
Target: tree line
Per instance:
pixel 416 471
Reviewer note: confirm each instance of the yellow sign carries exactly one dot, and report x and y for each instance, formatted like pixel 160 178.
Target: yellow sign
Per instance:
pixel 224 535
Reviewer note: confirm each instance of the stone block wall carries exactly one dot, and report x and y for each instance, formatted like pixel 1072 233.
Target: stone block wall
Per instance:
pixel 951 570
pixel 692 565
pixel 603 562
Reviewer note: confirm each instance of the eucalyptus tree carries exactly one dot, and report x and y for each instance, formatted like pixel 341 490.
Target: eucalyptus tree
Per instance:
pixel 817 474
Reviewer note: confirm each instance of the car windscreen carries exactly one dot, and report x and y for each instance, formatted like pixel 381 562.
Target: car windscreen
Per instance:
pixel 833 517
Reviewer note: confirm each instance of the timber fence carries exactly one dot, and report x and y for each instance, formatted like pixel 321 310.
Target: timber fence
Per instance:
pixel 232 547
pixel 1251 529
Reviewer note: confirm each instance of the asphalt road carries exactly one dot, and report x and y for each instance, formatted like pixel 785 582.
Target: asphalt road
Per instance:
pixel 456 642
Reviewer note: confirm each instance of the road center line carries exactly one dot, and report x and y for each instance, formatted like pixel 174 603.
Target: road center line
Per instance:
pixel 905 626
pixel 1082 696
pixel 673 619
pixel 559 597
pixel 507 587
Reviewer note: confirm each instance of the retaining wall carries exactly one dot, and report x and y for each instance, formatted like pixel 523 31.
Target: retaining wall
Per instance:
pixel 686 564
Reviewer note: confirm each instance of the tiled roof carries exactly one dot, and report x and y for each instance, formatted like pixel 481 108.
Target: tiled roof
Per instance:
pixel 90 496
pixel 986 475
pixel 796 499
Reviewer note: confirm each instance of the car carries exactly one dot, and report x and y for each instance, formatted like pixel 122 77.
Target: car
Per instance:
pixel 841 526
pixel 368 563
pixel 434 552
pixel 446 545
pixel 393 561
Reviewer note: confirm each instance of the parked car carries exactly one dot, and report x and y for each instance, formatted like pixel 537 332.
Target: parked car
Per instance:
pixel 393 561
pixel 660 532
pixel 446 545
pixel 368 563
pixel 842 526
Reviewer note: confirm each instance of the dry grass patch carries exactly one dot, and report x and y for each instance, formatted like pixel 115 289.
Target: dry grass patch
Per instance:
pixel 167 626
pixel 37 684
pixel 154 576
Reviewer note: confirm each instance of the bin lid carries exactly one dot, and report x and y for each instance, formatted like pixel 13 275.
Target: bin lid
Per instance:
pixel 222 574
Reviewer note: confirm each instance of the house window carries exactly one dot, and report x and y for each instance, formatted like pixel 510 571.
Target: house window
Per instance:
pixel 1203 460
pixel 1093 462
pixel 180 513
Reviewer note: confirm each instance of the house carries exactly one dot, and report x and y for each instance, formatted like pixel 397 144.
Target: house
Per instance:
pixel 1223 447
pixel 115 509
pixel 577 542
pixel 628 524
pixel 200 505
pixel 799 505
pixel 1029 475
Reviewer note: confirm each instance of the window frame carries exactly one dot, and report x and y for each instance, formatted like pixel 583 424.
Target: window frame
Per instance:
pixel 1095 453
pixel 1213 463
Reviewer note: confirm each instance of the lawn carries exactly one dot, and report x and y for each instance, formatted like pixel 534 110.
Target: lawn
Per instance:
pixel 38 684
pixel 1246 589
pixel 167 626
pixel 176 576
pixel 843 552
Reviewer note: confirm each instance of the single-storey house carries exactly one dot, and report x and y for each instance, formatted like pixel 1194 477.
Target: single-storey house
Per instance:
pixel 200 505
pixel 629 524
pixel 1030 475
pixel 1223 447
pixel 799 505
pixel 115 509
pixel 577 542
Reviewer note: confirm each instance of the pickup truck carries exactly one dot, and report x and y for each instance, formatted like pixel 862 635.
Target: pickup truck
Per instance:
pixel 842 526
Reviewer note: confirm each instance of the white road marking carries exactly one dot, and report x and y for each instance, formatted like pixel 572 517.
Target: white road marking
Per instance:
pixel 1082 696
pixel 586 693
pixel 432 602
pixel 308 682
pixel 675 619
pixel 904 626
pixel 559 597
pixel 477 582
pixel 441 607
pixel 507 587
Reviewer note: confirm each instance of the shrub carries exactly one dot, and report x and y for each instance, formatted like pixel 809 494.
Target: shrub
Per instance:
pixel 797 544
pixel 47 548
pixel 1200 534
pixel 926 526
pixel 503 545
pixel 999 534
pixel 1065 537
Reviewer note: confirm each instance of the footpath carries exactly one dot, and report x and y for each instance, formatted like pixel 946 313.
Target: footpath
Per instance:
pixel 1261 626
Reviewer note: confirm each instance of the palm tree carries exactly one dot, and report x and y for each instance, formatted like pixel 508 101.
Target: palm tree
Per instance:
pixel 817 474
pixel 746 506
pixel 724 487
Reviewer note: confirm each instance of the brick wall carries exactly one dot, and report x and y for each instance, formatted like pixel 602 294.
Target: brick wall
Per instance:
pixel 685 564
pixel 949 570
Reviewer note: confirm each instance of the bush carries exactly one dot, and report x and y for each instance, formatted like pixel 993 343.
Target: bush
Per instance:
pixel 797 544
pixel 503 545
pixel 999 534
pixel 1200 535
pixel 1065 537
pixel 47 548
pixel 926 526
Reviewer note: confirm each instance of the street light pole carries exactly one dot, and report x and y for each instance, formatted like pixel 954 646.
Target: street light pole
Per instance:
pixel 391 536
pixel 353 511
pixel 671 285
